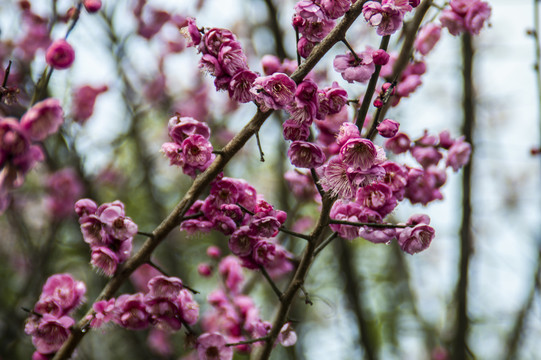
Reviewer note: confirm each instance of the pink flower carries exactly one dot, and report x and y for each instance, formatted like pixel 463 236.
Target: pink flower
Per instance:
pixel 287 336
pixel 84 100
pixel 398 144
pixel 214 252
pixel 130 312
pixel 204 269
pixel 197 152
pixel 180 128
pixel 64 188
pixel 231 270
pixel 191 32
pixel 458 154
pixel 43 119
pixel 427 38
pixel 380 57
pixel 116 223
pixel 242 241
pixel 104 259
pixel 85 207
pixel 263 252
pixel 211 346
pixel 352 69
pixel 476 17
pixel 335 8
pixel 423 185
pixel 388 128
pixel 361 154
pixel 231 58
pixel 387 16
pixel 240 86
pixel 104 312
pixel 60 55
pixel 274 91
pixel 64 291
pixel 378 197
pixel 426 155
pixel 416 239
pixel 51 333
pixel 331 100
pixel 166 287
pixel 189 308
pixel 304 154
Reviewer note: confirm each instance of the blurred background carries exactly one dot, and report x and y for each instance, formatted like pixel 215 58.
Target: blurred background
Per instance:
pixel 385 304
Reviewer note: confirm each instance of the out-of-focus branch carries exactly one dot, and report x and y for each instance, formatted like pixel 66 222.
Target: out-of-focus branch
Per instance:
pixel 274 26
pixel 407 46
pixel 460 350
pixel 514 338
pixel 368 338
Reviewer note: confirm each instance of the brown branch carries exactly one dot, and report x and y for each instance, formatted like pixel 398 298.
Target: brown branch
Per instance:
pixel 466 237
pixel 367 98
pixel 368 337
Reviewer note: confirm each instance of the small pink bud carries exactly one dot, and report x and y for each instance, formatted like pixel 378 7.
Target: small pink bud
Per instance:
pixel 60 55
pixel 380 57
pixel 204 269
pixel 214 252
pixel 388 128
pixel 378 103
pixel 298 21
pixel 92 6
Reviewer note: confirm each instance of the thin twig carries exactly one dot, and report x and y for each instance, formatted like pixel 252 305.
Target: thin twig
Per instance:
pixel 261 154
pixel 271 282
pixel 6 74
pixel 325 242
pixel 293 233
pixel 367 98
pixel 251 341
pixel 374 225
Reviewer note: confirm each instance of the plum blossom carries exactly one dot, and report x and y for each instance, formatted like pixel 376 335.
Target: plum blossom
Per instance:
pixel 211 346
pixel 274 91
pixel 387 16
pixel 355 68
pixel 43 119
pixel 60 55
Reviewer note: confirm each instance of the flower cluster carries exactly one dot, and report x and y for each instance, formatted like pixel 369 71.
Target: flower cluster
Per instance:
pixel 465 16
pixel 233 316
pixel 108 231
pixel 387 16
pixel 167 305
pixel 233 208
pixel 17 153
pixel 49 325
pixel 190 148
pixel 423 184
pixel 357 164
pixel 224 59
pixel 315 19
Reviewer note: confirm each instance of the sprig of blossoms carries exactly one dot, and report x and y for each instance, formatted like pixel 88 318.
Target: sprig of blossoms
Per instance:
pixel 50 323
pixel 108 231
pixel 18 154
pixel 190 148
pixel 465 16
